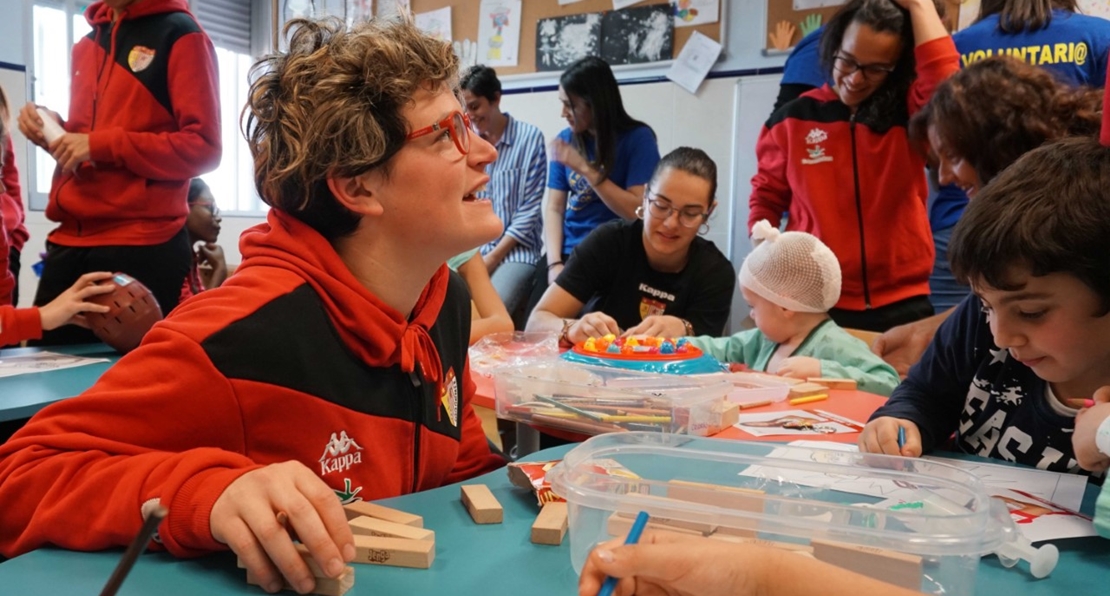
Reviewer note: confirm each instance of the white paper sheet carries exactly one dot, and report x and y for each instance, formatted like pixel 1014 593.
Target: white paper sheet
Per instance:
pixel 42 362
pixel 694 62
pixel 791 422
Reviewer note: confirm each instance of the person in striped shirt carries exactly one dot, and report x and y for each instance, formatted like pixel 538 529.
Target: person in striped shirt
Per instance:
pixel 516 187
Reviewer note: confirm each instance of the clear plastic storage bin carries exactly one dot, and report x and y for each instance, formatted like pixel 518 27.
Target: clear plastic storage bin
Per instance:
pixel 593 400
pixel 927 534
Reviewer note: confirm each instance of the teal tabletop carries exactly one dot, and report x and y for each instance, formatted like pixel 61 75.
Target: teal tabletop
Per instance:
pixel 22 396
pixel 470 559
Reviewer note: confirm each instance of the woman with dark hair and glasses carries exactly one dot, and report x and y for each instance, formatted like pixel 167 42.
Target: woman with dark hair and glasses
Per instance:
pixel 598 164
pixel 839 162
pixel 650 276
pixel 209 267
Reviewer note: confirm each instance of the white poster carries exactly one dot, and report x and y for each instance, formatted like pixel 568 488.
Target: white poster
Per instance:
pixel 436 23
pixel 619 4
pixel 499 32
pixel 694 61
pixel 688 13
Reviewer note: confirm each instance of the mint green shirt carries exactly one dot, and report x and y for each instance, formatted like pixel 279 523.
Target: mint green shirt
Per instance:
pixel 842 356
pixel 1102 512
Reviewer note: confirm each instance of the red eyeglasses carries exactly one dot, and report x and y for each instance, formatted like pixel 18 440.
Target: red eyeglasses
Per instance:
pixel 456 123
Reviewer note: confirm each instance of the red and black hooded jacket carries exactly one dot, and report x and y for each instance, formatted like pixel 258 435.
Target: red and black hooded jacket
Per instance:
pixel 146 90
pixel 290 359
pixel 857 183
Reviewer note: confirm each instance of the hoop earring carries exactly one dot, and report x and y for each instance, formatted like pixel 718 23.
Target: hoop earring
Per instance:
pixel 640 212
pixel 704 229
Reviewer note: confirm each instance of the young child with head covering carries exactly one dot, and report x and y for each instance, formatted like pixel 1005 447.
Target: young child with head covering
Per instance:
pixel 790 281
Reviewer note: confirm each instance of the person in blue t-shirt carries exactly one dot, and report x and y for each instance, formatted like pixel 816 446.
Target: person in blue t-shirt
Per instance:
pixel 598 165
pixel 802 70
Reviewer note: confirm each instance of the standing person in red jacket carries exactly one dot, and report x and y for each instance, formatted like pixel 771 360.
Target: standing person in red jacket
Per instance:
pixel 838 159
pixel 330 368
pixel 13 232
pixel 143 120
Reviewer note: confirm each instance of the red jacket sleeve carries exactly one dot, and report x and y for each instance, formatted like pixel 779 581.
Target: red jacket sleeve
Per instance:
pixel 78 474
pixel 475 457
pixel 936 61
pixel 771 192
pixel 18 324
pixel 195 147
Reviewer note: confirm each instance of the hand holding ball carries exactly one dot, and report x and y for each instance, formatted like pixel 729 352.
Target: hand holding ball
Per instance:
pixel 133 310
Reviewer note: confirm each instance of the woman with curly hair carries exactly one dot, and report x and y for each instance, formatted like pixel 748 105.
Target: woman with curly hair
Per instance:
pixel 342 321
pixel 979 122
pixel 839 162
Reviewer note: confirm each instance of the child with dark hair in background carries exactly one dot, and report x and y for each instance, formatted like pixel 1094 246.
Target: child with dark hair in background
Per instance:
pixel 209 267
pixel 1007 372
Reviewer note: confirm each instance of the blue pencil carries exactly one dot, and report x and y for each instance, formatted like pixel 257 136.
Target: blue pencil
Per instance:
pixel 901 438
pixel 633 537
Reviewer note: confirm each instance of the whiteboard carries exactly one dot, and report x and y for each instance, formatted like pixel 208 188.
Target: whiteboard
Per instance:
pixel 752 103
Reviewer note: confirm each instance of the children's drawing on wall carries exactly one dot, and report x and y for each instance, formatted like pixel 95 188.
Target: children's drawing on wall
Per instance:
pixel 436 23
pixel 499 32
pixel 562 40
pixel 688 13
pixel 782 36
pixel 637 35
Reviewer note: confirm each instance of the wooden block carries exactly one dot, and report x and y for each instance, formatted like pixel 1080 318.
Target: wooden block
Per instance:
pixel 807 389
pixel 481 504
pixel 326 586
pixel 847 384
pixel 725 414
pixel 551 524
pixel 368 509
pixel 726 497
pixel 394 552
pixel 776 378
pixel 892 567
pixel 371 526
pixel 790 546
pixel 619 524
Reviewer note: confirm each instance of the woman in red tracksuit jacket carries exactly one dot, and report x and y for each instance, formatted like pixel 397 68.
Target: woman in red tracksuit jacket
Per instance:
pixel 332 367
pixel 839 162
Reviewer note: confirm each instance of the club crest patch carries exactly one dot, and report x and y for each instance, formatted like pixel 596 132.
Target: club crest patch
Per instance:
pixel 140 58
pixel 450 397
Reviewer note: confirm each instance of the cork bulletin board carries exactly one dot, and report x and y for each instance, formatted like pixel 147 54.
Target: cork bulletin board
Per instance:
pixel 465 19
pixel 788 21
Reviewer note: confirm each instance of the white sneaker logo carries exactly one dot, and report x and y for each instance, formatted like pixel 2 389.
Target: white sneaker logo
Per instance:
pixel 337 455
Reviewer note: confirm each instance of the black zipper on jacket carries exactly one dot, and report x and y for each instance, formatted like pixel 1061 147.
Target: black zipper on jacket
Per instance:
pixel 418 420
pixel 859 216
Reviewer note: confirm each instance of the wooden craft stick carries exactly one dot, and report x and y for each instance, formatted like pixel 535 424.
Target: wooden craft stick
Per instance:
pixel 892 567
pixel 831 383
pixel 569 408
pixel 582 426
pixel 394 552
pixel 755 404
pixel 551 524
pixel 807 389
pixel 325 586
pixel 797 401
pixel 481 504
pixel 636 418
pixel 372 526
pixel 368 509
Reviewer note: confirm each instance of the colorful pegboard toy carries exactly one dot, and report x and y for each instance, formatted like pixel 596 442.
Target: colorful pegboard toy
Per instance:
pixel 638 348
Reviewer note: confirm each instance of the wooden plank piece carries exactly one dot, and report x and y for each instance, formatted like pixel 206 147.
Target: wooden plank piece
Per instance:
pixel 831 383
pixel 368 509
pixel 551 524
pixel 892 567
pixel 394 552
pixel 790 546
pixel 370 526
pixel 725 414
pixel 807 389
pixel 726 497
pixel 481 504
pixel 619 525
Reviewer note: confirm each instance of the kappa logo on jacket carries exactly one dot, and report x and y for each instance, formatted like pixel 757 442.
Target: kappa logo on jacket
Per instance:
pixel 450 397
pixel 816 152
pixel 140 58
pixel 337 455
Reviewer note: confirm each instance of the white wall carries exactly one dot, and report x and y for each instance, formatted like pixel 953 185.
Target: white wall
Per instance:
pixel 721 119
